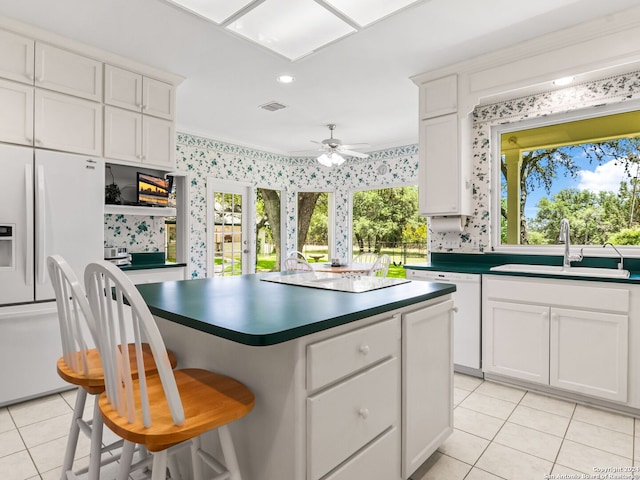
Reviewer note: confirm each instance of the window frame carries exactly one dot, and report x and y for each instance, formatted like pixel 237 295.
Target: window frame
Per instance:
pixel 541 121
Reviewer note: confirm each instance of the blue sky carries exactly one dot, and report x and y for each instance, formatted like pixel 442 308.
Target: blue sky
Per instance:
pixel 591 176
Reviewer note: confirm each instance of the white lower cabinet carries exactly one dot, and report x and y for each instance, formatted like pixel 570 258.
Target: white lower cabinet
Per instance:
pixel 516 338
pixel 345 418
pixel 380 398
pixel 427 383
pixel 589 353
pixel 571 335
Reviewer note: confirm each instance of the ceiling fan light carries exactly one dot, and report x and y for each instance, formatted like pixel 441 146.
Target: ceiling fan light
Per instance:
pixel 337 159
pixel 330 159
pixel 324 160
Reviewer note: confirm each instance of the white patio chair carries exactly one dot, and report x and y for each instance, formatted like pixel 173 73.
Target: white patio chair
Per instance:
pixel 294 263
pixel 366 258
pixel 381 266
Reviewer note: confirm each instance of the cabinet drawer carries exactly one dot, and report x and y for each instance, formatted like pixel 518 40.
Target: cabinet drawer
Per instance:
pixel 344 418
pixel 381 459
pixel 337 357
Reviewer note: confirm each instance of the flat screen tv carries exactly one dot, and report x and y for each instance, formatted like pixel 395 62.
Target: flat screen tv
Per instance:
pixel 153 191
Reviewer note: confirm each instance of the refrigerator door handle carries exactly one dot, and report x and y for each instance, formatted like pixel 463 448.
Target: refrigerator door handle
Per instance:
pixel 40 219
pixel 28 184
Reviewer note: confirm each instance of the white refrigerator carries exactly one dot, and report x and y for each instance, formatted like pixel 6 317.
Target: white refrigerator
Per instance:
pixel 50 203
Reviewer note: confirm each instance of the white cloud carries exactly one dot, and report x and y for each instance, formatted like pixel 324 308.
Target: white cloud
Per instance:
pixel 605 178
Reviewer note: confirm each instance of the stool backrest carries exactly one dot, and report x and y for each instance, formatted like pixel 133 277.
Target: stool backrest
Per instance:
pixel 294 263
pixel 74 314
pixel 118 308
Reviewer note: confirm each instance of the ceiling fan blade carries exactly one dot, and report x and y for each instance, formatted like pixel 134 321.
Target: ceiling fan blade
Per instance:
pixel 353 153
pixel 355 145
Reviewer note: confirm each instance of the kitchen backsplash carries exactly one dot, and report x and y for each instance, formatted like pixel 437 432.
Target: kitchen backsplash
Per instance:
pixel 137 233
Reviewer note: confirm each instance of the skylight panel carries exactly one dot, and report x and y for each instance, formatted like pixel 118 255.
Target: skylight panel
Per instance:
pixel 365 12
pixel 292 28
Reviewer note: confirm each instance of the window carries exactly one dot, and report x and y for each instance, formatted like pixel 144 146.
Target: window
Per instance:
pixel 386 220
pixel 315 225
pixel 268 230
pixel 585 170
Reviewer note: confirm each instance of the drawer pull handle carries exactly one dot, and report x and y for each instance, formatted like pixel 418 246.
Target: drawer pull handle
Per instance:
pixel 364 349
pixel 364 413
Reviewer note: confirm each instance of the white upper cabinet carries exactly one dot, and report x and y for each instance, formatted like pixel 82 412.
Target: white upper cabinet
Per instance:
pixel 16 114
pixel 16 57
pixel 126 89
pixel 122 88
pixel 67 123
pixel 67 72
pixel 158 142
pixel 157 98
pixel 439 97
pixel 444 171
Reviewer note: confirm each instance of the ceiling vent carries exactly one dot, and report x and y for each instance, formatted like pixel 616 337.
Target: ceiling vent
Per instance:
pixel 273 106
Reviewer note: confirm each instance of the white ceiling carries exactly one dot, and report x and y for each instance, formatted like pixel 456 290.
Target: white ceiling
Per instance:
pixel 361 83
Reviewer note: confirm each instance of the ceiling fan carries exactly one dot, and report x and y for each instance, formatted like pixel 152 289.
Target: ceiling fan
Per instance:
pixel 333 149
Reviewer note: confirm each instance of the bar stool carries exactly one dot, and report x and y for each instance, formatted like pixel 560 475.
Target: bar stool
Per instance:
pixel 165 410
pixel 81 366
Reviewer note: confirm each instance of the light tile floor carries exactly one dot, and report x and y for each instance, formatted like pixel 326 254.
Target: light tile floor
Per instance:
pixel 500 433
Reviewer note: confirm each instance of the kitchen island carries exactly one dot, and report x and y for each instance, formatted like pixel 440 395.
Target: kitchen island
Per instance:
pixel 347 385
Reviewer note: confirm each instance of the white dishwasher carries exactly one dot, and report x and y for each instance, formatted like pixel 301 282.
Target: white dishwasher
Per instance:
pixel 467 324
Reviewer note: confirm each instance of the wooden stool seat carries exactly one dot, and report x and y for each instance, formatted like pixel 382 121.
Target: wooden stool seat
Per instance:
pixel 209 400
pixel 93 380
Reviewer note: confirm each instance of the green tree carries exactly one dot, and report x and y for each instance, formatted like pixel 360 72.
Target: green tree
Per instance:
pixel 540 168
pixel 385 215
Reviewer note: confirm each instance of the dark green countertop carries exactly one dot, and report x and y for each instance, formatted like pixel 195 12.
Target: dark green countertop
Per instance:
pixel 482 263
pixel 252 312
pixel 148 266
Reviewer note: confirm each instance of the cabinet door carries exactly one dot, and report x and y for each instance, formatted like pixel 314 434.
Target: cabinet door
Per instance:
pixel 157 98
pixel 515 340
pixel 67 123
pixel 158 142
pixel 439 97
pixel 427 383
pixel 122 88
pixel 589 353
pixel 16 57
pixel 439 169
pixel 67 72
pixel 16 114
pixel 122 134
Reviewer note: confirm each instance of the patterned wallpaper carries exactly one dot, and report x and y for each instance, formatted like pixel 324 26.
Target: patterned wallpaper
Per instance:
pixel 202 158
pixel 476 236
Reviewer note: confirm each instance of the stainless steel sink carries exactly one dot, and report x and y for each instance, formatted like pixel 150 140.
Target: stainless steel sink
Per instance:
pixel 559 270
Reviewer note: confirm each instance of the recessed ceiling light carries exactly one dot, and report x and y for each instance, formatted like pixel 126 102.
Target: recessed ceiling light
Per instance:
pixel 561 82
pixel 285 78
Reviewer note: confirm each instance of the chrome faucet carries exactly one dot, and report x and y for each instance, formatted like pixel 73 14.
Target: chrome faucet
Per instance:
pixel 564 237
pixel 621 263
